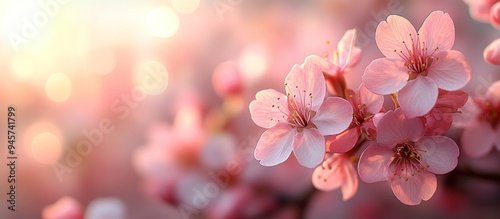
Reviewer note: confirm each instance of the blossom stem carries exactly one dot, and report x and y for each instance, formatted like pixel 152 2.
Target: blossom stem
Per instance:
pixel 395 100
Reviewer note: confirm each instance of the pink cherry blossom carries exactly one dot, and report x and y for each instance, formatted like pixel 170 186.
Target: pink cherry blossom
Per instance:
pixel 344 58
pixel 337 171
pixel 495 14
pixel 440 118
pixel 406 158
pixel 492 52
pixel 480 9
pixel 417 64
pixel 365 104
pixel 483 132
pixel 65 208
pixel 341 61
pixel 299 120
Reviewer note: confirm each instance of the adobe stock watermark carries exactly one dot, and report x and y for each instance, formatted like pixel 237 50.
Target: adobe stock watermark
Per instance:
pixel 30 26
pixel 223 6
pixel 152 79
pixel 220 180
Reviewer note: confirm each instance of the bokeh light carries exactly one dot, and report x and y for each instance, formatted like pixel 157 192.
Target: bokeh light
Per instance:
pixel 185 6
pixel 58 87
pixel 22 67
pixel 151 77
pixel 253 62
pixel 162 22
pixel 46 148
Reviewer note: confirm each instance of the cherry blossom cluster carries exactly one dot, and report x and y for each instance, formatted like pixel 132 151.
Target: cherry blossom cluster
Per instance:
pixel 487 11
pixel 345 133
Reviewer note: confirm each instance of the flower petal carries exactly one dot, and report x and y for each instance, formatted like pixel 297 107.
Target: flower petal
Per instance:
pixel 275 145
pixel 411 190
pixel 321 62
pixel 385 76
pixel 309 147
pixel 391 34
pixel 328 176
pixel 438 31
pixel 269 108
pixel 374 163
pixel 450 101
pixel 373 102
pixel 451 71
pixel 350 185
pixel 493 93
pixel 347 55
pixel 395 127
pixel 342 142
pixel 477 139
pixel 306 85
pixel 334 116
pixel 418 97
pixel 440 153
pixel 491 53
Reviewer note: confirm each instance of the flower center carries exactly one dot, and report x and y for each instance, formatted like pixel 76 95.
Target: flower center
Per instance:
pixel 417 57
pixel 489 113
pixel 407 161
pixel 299 115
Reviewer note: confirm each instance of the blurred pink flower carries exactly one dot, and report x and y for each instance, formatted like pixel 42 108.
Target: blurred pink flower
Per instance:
pixel 337 171
pixel 483 132
pixel 492 52
pixel 227 79
pixel 480 9
pixel 417 64
pixel 440 118
pixel 365 104
pixel 406 158
pixel 65 208
pixel 298 120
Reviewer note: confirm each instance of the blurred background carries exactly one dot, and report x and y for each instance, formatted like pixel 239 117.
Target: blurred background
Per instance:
pixel 139 109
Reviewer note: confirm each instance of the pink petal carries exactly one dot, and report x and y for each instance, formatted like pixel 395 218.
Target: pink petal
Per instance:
pixel 418 97
pixel 440 153
pixel 385 76
pixel 328 176
pixel 390 36
pixel 495 14
pixel 451 71
pixel 334 116
pixel 350 185
pixel 477 139
pixel 347 54
pixel 438 31
pixel 395 128
pixel 492 52
pixel 309 147
pixel 65 208
pixel 374 162
pixel 269 108
pixel 342 142
pixel 493 94
pixel 438 122
pixel 419 187
pixel 319 61
pixel 306 85
pixel 373 102
pixel 450 101
pixel 275 145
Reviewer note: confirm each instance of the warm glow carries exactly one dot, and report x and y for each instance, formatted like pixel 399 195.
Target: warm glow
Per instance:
pixel 22 67
pixel 185 6
pixel 162 22
pixel 102 61
pixel 58 87
pixel 46 148
pixel 253 62
pixel 152 77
